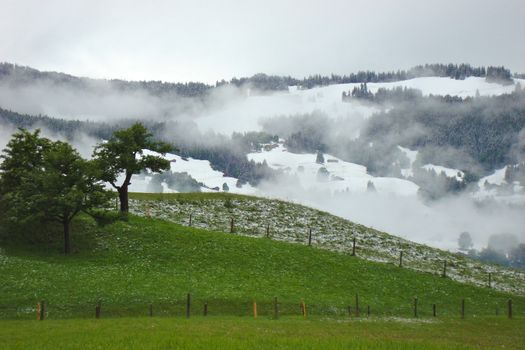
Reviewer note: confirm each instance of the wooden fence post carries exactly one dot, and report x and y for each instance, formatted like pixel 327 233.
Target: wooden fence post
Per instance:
pixel 188 305
pixel 42 310
pixel 190 219
pixel 150 310
pixel 231 226
pixel 415 307
pixel 462 308
pixel 267 230
pixel 206 309
pixel 368 311
pixel 401 259
pixel 38 311
pixel 444 274
pixel 309 236
pixel 353 247
pixel 434 310
pixel 97 310
pixel 254 309
pixel 356 305
pixel 303 309
pixel 275 308
pixel 509 308
pixel 490 280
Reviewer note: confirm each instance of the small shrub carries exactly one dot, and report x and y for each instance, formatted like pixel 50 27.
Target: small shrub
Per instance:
pixel 228 203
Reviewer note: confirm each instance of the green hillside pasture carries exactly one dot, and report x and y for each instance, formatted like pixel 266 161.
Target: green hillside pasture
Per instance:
pixel 129 265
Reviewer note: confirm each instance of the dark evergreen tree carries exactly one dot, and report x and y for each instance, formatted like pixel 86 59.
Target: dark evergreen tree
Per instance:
pixel 319 159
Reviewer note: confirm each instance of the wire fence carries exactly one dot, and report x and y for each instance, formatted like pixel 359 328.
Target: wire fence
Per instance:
pixel 190 307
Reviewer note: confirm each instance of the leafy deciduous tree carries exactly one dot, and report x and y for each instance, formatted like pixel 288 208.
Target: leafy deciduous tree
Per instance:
pixel 45 180
pixel 124 154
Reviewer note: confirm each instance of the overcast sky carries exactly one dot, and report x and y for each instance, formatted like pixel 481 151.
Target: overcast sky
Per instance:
pixel 210 40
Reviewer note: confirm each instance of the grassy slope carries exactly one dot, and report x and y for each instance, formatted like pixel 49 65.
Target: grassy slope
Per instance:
pixel 290 222
pixel 129 265
pixel 243 333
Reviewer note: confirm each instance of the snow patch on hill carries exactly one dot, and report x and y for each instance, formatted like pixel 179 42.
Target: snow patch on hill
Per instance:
pixel 249 111
pixel 447 86
pixel 200 170
pixel 449 172
pixel 412 156
pixel 495 187
pixel 340 175
pixel 498 178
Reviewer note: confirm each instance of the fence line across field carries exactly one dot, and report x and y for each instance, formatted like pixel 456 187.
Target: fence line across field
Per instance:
pixel 270 308
pixel 309 237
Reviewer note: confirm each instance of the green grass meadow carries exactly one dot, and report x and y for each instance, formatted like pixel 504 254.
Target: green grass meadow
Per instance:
pixel 247 333
pixel 131 264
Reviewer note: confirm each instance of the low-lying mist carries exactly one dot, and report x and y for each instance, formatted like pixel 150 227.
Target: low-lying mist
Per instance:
pixel 438 223
pixel 343 129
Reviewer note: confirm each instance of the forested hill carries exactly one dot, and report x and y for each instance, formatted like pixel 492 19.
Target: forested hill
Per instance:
pixel 15 74
pixel 69 128
pixel 487 131
pixel 20 75
pixel 227 155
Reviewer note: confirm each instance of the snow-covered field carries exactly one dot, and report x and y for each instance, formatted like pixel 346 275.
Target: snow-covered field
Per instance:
pixel 200 170
pixel 495 187
pixel 341 176
pixel 246 114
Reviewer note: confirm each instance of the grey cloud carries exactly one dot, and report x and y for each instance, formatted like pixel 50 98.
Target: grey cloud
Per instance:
pixel 203 40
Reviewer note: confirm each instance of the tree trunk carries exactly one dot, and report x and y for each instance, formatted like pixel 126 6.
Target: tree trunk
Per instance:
pixel 67 243
pixel 123 197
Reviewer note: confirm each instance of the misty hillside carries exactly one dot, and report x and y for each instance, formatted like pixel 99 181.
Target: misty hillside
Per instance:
pixel 436 141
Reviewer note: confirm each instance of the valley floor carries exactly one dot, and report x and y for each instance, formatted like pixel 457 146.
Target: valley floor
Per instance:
pixel 263 333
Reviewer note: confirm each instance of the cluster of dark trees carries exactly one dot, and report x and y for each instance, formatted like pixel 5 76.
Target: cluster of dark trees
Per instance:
pixel 382 95
pixel 307 141
pixel 483 130
pixel 260 81
pixel 303 133
pixel 68 128
pixel 180 182
pixel 232 162
pixel 26 75
pixel 454 71
pixel 503 249
pixel 434 185
pixel 499 75
pixel 252 141
pixel 48 181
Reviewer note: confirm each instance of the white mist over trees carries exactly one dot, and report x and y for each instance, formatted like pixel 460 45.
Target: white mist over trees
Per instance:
pixel 361 131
